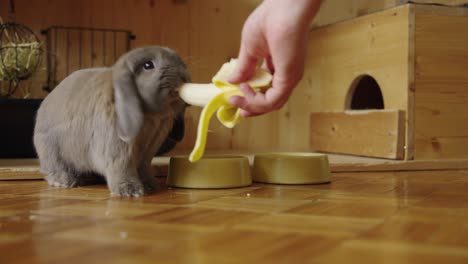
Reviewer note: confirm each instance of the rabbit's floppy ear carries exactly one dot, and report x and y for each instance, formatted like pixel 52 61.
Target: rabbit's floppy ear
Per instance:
pixel 127 101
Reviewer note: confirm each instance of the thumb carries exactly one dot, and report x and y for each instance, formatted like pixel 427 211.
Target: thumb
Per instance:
pixel 245 67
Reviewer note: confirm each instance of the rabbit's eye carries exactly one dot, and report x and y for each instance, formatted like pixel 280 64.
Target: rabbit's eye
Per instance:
pixel 148 65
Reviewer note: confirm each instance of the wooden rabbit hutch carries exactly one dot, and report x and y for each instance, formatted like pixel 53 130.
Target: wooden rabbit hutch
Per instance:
pixel 391 84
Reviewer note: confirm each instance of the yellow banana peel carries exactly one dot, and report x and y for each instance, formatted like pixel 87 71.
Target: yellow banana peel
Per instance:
pixel 218 101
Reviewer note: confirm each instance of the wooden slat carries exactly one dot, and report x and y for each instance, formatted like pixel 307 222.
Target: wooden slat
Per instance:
pixel 338 163
pixel 333 11
pixel 435 2
pixel 20 174
pixel 347 163
pixel 409 133
pixel 441 84
pixel 374 133
pixel 19 169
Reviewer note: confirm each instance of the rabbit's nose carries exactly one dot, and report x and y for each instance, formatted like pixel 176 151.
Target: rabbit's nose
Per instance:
pixel 174 93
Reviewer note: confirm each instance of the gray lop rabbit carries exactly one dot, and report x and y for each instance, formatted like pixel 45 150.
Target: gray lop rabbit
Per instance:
pixel 111 121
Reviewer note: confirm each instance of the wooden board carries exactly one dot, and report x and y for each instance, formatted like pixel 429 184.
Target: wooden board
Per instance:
pixel 19 169
pixel 29 169
pixel 347 163
pixel 441 83
pixel 352 163
pixel 435 2
pixel 374 133
pixel 333 11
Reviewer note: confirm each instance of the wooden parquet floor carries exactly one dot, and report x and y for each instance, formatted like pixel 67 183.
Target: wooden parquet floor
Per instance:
pixel 386 217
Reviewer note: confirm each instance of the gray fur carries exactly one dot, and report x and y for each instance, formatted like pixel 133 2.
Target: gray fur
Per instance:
pixel 110 121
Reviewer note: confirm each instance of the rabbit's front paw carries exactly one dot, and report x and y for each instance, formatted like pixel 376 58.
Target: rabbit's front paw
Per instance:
pixel 128 189
pixel 63 180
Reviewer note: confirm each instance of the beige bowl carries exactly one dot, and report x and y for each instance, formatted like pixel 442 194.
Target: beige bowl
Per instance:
pixel 210 172
pixel 291 168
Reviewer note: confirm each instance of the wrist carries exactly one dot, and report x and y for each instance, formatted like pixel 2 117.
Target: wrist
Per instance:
pixel 303 10
pixel 310 7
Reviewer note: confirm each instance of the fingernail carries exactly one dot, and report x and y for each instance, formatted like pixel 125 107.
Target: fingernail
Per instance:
pixel 245 113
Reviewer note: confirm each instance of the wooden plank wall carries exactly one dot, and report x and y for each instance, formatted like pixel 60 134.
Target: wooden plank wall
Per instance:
pixel 37 15
pixel 196 30
pixel 206 33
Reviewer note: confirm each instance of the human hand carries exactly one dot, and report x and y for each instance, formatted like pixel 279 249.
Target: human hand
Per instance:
pixel 276 31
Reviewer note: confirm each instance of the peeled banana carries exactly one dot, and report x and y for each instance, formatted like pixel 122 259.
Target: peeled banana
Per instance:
pixel 214 97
